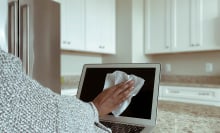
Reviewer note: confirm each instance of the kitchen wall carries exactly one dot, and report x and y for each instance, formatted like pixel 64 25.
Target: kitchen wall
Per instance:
pixel 129 33
pixel 193 64
pixel 123 34
pixel 72 62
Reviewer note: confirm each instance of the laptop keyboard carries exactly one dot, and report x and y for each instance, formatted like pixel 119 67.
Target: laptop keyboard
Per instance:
pixel 122 128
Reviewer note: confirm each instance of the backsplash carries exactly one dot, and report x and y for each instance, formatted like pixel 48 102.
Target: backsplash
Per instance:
pixel 72 81
pixel 197 81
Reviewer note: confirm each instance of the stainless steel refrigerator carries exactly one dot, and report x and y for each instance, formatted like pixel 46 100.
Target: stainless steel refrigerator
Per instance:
pixel 34 36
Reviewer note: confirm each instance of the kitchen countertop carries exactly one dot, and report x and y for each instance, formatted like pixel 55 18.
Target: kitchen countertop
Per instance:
pixel 176 117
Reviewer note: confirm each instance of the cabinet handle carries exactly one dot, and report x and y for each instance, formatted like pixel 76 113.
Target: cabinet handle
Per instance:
pixel 101 46
pixel 67 42
pixel 197 44
pixel 204 94
pixel 194 45
pixel 174 91
pixel 167 45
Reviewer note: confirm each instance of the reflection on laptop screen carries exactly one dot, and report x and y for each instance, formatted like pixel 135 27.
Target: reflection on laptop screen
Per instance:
pixel 141 104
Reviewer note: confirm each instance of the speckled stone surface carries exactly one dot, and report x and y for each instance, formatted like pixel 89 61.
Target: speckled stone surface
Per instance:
pixel 174 117
pixel 70 81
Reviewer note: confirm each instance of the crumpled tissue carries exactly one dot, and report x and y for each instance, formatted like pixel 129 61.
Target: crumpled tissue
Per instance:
pixel 118 77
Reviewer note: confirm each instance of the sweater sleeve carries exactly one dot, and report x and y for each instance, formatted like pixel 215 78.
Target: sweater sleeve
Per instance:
pixel 78 116
pixel 27 106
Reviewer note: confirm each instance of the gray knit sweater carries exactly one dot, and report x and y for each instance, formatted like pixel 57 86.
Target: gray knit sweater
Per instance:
pixel 26 106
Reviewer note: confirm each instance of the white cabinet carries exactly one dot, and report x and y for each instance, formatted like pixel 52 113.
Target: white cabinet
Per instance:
pixel 211 24
pixel 196 27
pixel 158 26
pixel 198 95
pixel 181 26
pixel 187 25
pixel 100 26
pixel 88 25
pixel 72 25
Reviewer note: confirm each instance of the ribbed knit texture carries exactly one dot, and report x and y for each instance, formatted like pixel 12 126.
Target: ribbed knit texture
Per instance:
pixel 27 106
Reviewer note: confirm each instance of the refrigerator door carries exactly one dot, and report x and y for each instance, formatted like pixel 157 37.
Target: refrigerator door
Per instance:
pixel 39 41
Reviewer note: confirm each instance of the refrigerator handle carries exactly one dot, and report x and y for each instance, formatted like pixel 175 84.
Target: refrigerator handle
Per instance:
pixel 13 28
pixel 16 44
pixel 25 37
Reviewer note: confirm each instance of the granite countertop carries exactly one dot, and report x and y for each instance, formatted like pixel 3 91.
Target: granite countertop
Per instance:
pixel 70 81
pixel 175 117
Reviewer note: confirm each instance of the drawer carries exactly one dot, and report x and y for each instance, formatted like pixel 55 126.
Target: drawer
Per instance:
pixel 209 96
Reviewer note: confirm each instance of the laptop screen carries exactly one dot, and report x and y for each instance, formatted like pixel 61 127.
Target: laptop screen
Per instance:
pixel 93 80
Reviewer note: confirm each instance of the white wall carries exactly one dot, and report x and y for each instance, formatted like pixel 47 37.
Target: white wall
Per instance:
pixel 3 24
pixel 138 55
pixel 72 62
pixel 129 33
pixel 190 63
pixel 123 34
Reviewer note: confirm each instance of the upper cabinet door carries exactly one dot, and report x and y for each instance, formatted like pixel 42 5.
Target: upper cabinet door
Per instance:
pixel 100 26
pixel 211 24
pixel 72 24
pixel 196 25
pixel 92 25
pixel 158 30
pixel 187 25
pixel 108 25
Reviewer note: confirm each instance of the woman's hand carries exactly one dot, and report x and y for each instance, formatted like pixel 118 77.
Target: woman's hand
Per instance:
pixel 112 97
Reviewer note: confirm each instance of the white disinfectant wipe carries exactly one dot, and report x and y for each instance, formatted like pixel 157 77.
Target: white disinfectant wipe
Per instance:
pixel 118 77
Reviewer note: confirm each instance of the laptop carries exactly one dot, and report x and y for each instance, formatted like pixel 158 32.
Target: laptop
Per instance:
pixel 141 114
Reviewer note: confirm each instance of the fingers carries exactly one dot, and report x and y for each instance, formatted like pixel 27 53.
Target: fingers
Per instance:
pixel 124 87
pixel 122 91
pixel 124 96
